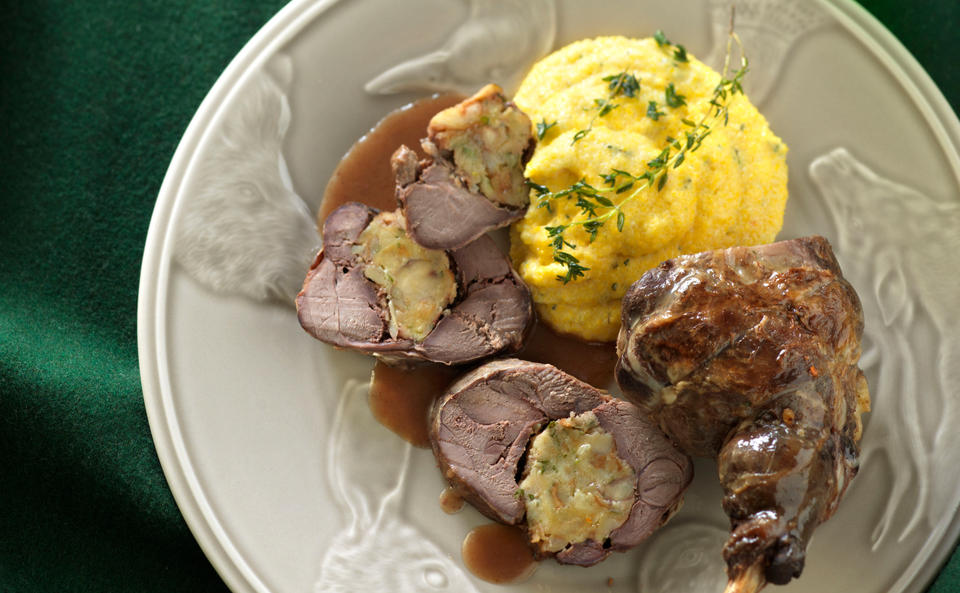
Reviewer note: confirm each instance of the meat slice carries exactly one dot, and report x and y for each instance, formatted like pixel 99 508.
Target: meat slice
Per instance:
pixel 441 212
pixel 749 355
pixel 485 433
pixel 474 181
pixel 342 303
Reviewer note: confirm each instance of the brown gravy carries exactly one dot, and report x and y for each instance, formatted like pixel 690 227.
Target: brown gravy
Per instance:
pixel 400 398
pixel 498 553
pixel 450 501
pixel 364 174
pixel 591 362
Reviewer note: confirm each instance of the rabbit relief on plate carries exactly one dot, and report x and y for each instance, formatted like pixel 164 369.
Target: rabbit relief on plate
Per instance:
pixel 379 550
pixel 244 230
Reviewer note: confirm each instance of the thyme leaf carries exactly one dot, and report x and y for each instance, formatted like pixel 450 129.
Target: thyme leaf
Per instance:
pixel 672 98
pixel 623 83
pixel 604 107
pixel 652 111
pixel 543 127
pixel 619 84
pixel 574 268
pixel 679 52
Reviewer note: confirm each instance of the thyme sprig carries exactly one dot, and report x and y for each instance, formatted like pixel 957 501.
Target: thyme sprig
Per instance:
pixel 597 205
pixel 619 84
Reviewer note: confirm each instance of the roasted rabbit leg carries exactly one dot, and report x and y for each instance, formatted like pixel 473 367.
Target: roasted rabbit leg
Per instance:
pixel 749 355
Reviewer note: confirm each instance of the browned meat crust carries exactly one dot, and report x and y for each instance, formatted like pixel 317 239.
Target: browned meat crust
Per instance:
pixel 750 355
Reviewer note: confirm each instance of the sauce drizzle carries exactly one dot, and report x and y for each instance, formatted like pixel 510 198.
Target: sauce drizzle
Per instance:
pixel 450 500
pixel 591 362
pixel 364 174
pixel 498 554
pixel 401 397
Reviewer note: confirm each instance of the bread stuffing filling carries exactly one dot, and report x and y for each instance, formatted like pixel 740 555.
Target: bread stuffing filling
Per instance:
pixel 575 486
pixel 487 138
pixel 417 282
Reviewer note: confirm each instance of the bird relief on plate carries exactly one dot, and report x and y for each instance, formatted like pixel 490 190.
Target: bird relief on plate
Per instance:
pixel 245 230
pixel 496 42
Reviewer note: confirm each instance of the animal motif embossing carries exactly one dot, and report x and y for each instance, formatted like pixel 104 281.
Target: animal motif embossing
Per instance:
pixel 242 228
pixel 684 557
pixel 897 247
pixel 768 28
pixel 496 43
pixel 379 550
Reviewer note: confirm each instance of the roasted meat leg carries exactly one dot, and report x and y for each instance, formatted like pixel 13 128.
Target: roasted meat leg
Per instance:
pixel 749 355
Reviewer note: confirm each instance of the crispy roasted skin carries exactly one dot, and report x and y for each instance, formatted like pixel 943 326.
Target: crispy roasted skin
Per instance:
pixel 749 355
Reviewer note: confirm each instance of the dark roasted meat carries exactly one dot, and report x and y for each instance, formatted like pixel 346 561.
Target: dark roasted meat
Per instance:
pixel 474 182
pixel 509 434
pixel 750 355
pixel 371 289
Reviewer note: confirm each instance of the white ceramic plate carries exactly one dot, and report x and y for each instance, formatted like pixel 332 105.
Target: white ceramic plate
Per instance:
pixel 264 433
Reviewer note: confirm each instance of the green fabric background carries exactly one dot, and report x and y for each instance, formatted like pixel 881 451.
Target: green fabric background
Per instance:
pixel 94 97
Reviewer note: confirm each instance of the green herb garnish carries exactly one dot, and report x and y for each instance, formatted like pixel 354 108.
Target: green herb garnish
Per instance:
pixel 623 84
pixel 547 466
pixel 653 112
pixel 597 205
pixel 672 99
pixel 543 127
pixel 679 52
pixel 620 84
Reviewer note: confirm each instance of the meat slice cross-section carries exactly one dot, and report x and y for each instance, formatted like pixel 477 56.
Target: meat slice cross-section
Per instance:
pixel 366 270
pixel 489 141
pixel 482 430
pixel 473 182
pixel 749 355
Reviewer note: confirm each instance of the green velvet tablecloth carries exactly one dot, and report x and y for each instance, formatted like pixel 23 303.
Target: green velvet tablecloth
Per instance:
pixel 94 97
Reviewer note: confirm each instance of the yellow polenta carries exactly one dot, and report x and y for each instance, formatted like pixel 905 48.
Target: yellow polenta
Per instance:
pixel 731 191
